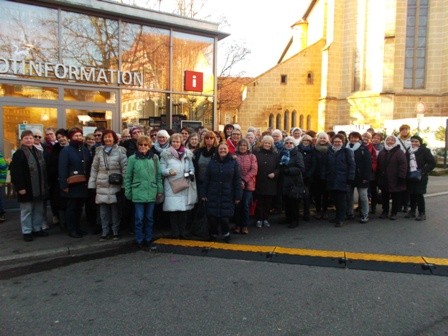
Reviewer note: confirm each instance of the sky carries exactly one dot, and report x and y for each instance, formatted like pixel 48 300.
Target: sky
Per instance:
pixel 264 26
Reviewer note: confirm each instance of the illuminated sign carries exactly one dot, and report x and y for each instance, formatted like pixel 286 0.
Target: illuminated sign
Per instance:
pixel 193 81
pixel 70 72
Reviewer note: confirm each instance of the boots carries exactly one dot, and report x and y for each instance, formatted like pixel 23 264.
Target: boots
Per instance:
pixel 410 214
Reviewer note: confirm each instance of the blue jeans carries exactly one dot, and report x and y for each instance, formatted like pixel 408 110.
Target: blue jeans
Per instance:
pixel 144 221
pixel 31 216
pixel 109 218
pixel 242 209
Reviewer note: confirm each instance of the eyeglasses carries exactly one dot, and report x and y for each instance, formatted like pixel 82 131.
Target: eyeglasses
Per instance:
pixel 97 135
pixel 289 143
pixel 144 145
pixel 305 140
pixel 209 137
pixel 153 135
pixel 236 134
pixel 37 137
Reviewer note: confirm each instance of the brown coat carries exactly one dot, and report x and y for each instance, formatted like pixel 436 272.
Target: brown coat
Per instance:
pixel 392 169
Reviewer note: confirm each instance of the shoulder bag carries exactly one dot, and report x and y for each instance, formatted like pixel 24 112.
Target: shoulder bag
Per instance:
pixel 114 178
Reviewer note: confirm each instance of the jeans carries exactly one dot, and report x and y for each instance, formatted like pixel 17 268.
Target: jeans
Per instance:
pixel 109 217
pixel 363 201
pixel 242 209
pixel 31 216
pixel 144 221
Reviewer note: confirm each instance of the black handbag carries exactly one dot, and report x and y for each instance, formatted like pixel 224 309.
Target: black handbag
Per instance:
pixel 114 178
pixel 414 176
pixel 298 191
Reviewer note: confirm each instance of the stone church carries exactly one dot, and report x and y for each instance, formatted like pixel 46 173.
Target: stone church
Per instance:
pixel 355 62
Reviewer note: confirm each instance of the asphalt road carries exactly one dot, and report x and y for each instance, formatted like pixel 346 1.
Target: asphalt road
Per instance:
pixel 145 293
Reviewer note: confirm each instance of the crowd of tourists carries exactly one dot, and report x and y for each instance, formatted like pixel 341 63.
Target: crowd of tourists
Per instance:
pixel 211 182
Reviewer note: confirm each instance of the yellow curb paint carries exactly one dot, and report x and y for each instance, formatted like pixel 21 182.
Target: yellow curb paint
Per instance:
pixel 244 248
pixel 436 261
pixel 309 253
pixel 384 258
pixel 185 243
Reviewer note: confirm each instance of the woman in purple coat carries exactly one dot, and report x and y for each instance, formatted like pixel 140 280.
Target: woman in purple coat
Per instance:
pixel 391 169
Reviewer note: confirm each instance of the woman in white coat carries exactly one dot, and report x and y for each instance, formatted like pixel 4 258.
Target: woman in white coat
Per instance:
pixel 109 159
pixel 176 162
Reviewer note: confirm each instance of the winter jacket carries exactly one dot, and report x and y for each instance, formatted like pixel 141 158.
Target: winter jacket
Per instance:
pixel 248 168
pixel 74 158
pixel 291 174
pixel 340 169
pixel 21 176
pixel 425 163
pixel 143 179
pixel 373 155
pixel 117 162
pixel 309 158
pixel 363 162
pixel 392 169
pixel 222 186
pixel 3 168
pixel 321 161
pixel 268 162
pixel 175 201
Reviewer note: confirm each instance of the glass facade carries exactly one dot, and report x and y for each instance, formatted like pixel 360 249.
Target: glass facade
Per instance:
pixel 61 67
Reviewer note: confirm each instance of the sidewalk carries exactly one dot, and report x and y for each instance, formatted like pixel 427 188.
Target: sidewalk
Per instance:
pixel 14 252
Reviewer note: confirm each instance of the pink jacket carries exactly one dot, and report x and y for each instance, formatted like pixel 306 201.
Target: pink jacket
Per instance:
pixel 249 168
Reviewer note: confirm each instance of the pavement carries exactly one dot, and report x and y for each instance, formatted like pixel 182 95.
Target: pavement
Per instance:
pixel 379 237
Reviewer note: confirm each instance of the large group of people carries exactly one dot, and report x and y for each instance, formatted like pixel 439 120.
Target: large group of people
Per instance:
pixel 243 178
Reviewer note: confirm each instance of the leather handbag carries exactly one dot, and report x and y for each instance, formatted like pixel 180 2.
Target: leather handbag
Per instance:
pixel 414 176
pixel 114 178
pixel 179 184
pixel 76 178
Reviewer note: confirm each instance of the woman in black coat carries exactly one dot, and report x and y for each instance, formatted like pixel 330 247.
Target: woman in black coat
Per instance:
pixel 340 175
pixel 419 158
pixel 307 149
pixel 222 190
pixel 267 178
pixel 391 169
pixel 29 177
pixel 319 186
pixel 75 158
pixel 291 181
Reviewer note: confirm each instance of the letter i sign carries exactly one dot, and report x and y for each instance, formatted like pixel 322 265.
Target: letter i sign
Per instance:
pixel 193 81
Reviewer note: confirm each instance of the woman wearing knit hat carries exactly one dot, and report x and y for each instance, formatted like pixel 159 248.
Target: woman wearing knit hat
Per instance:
pixel 420 159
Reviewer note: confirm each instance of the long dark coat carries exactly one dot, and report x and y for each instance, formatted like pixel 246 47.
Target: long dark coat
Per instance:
pixel 363 172
pixel 292 173
pixel 425 163
pixel 222 186
pixel 340 169
pixel 268 162
pixel 392 169
pixel 74 158
pixel 309 157
pixel 21 175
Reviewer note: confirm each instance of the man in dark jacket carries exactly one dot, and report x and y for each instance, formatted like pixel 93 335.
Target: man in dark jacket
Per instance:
pixel 363 162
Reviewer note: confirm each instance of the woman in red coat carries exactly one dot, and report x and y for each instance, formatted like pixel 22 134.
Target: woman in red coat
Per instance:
pixel 392 169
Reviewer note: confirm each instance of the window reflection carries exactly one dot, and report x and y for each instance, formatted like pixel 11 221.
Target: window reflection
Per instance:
pixel 95 96
pixel 14 116
pixel 146 50
pixel 28 91
pixel 88 118
pixel 89 41
pixel 144 108
pixel 28 33
pixel 191 52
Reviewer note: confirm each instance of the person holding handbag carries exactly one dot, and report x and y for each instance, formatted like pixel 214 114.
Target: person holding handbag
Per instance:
pixel 176 163
pixel 106 177
pixel 144 187
pixel 420 163
pixel 75 162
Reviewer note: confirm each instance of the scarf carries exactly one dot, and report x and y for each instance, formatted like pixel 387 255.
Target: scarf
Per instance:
pixel 207 152
pixel 36 164
pixel 386 147
pixel 412 160
pixel 159 148
pixel 322 148
pixel 336 148
pixel 178 154
pixel 141 156
pixel 286 156
pixel 353 147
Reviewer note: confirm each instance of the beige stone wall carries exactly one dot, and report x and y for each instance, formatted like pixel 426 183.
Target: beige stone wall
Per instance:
pixel 332 99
